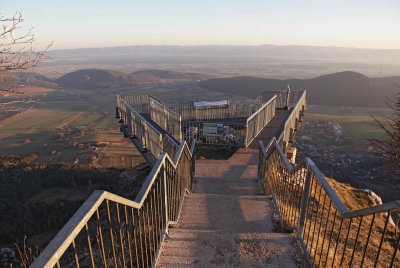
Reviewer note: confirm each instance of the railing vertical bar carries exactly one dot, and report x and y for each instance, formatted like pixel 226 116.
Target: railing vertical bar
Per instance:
pixel 324 235
pixel 309 208
pixel 302 191
pixel 155 244
pixel 128 236
pixel 174 192
pixel 141 233
pixel 75 254
pixel 111 233
pixel 355 242
pixel 315 222
pixel 135 237
pixel 337 242
pixel 285 195
pixel 101 239
pixel 120 235
pixel 320 226
pixel 307 184
pixel 345 242
pixel 295 202
pixel 156 215
pixel 311 212
pixel 159 204
pixel 291 194
pixel 89 245
pixel 383 237
pixel 395 250
pixel 148 231
pixel 170 185
pixel 330 238
pixel 366 244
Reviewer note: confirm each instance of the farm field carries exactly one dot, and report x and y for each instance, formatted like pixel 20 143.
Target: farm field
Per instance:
pixel 357 122
pixel 65 124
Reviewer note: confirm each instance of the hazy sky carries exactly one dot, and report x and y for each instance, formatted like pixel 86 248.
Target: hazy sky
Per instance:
pixel 73 23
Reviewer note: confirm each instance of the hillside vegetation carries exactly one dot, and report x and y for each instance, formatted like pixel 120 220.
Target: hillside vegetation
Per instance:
pixel 27 79
pixel 38 198
pixel 342 89
pixel 100 78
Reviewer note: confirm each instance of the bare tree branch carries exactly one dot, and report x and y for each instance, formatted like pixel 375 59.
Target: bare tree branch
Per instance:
pixel 18 50
pixel 389 146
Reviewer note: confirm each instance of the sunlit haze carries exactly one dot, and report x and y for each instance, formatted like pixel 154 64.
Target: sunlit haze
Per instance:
pixel 73 24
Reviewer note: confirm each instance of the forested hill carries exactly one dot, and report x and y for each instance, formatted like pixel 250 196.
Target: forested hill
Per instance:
pixel 344 88
pixel 99 78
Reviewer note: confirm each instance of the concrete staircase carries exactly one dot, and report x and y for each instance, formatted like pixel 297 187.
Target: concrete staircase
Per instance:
pixel 225 222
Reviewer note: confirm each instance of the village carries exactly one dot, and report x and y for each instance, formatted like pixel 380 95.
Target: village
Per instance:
pixel 334 153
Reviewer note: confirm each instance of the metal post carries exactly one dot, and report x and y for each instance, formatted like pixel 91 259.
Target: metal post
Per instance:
pixel 165 197
pixel 304 201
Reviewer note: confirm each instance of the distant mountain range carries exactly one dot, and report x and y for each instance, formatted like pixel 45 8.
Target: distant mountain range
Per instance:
pixel 272 61
pixel 344 88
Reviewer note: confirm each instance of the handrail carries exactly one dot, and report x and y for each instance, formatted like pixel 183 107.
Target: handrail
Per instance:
pixel 329 233
pixel 139 115
pixel 259 119
pixel 166 118
pixel 165 107
pixel 261 108
pixel 67 235
pixel 327 187
pixel 153 143
pixel 289 124
pixel 300 193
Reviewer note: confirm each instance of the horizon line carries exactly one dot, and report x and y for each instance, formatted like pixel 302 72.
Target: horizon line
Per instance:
pixel 227 45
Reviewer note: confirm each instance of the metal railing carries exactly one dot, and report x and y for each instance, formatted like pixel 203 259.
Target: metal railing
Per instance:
pixel 109 230
pixel 330 234
pixel 281 98
pixel 137 125
pixel 234 109
pixel 166 118
pixel 292 122
pixel 140 102
pixel 257 121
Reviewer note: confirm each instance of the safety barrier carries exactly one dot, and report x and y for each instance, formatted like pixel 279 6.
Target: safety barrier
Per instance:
pixel 330 234
pixel 109 230
pixel 257 121
pixel 232 110
pixel 293 122
pixel 166 119
pixel 149 136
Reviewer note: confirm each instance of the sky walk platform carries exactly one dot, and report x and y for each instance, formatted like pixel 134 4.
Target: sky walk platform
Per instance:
pixel 272 129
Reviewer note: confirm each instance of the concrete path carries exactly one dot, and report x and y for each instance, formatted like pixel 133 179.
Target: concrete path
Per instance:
pixel 226 223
